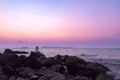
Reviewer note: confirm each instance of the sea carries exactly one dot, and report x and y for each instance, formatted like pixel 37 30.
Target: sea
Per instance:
pixel 110 57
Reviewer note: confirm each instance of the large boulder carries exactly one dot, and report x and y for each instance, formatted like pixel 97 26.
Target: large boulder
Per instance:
pixel 97 67
pixel 25 72
pixel 8 51
pixel 50 61
pixel 37 55
pixel 104 76
pixel 8 69
pixel 24 60
pixel 33 63
pixel 74 64
pixel 2 75
pixel 12 78
pixel 81 78
pixel 52 76
pixel 10 58
pixel 94 69
pixel 35 60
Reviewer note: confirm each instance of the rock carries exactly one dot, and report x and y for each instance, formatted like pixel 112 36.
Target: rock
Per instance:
pixel 55 67
pixel 81 78
pixel 33 63
pixel 15 60
pixel 50 61
pixel 36 55
pixel 94 69
pixel 52 76
pixel 8 51
pixel 38 67
pixel 24 60
pixel 110 73
pixel 20 52
pixel 72 59
pixel 3 76
pixel 74 64
pixel 12 78
pixel 8 70
pixel 63 70
pixel 10 58
pixel 35 77
pixel 35 60
pixel 22 78
pixel 25 72
pixel 42 72
pixel 58 57
pixel 97 66
pixel 104 76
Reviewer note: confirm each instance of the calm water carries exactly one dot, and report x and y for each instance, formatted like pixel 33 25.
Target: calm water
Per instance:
pixel 109 57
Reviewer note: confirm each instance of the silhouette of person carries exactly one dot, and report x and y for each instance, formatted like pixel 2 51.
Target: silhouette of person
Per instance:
pixel 37 49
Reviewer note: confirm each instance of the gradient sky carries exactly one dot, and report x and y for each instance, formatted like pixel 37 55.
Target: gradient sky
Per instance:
pixel 83 23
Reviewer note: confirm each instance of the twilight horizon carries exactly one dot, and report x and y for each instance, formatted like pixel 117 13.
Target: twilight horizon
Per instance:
pixel 72 23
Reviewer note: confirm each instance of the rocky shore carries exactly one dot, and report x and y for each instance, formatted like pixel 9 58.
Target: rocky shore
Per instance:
pixel 39 67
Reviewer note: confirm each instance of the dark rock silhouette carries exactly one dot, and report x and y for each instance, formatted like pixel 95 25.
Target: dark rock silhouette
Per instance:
pixel 9 51
pixel 38 67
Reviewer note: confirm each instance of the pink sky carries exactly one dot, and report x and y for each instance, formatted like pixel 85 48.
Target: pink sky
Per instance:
pixel 71 22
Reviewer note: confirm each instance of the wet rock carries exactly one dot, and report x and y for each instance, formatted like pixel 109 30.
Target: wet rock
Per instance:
pixel 104 76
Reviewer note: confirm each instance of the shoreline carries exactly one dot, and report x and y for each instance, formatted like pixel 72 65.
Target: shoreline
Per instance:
pixel 38 66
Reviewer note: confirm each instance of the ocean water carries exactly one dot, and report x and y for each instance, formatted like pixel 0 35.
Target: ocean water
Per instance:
pixel 109 57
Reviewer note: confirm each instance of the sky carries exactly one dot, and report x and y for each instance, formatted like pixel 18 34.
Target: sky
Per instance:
pixel 81 23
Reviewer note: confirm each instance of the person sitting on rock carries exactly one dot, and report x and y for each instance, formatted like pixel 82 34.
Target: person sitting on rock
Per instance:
pixel 37 49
